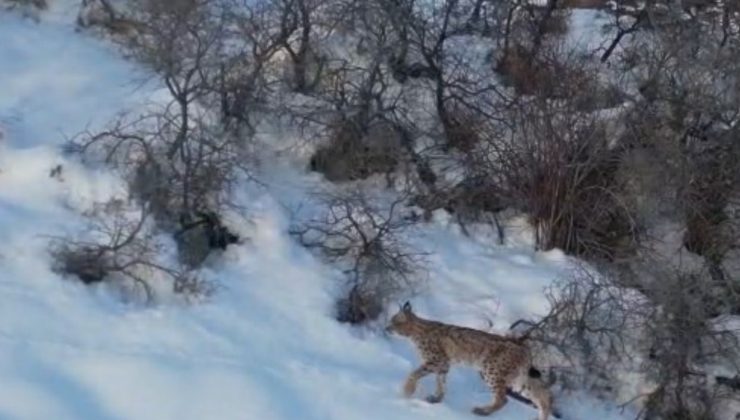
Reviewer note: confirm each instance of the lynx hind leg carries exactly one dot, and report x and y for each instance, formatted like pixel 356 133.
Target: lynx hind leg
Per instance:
pixel 497 377
pixel 536 390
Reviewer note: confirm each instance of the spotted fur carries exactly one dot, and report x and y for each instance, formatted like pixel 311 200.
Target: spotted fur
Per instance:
pixel 504 362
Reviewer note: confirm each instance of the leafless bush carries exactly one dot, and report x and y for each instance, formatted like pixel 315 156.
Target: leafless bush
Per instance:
pixel 710 231
pixel 475 199
pixel 557 23
pixel 585 4
pixel 398 41
pixel 558 167
pixel 214 53
pixel 352 154
pixel 354 121
pixel 685 120
pixel 688 121
pixel 551 73
pixel 427 41
pixel 35 4
pixel 478 118
pixel 651 321
pixel 300 39
pixel 184 193
pixel 109 14
pixel 30 9
pixel 195 178
pixel 366 239
pixel 463 130
pixel 518 70
pixel 182 158
pixel 541 150
pixel 121 247
pixel 591 329
pixel 685 339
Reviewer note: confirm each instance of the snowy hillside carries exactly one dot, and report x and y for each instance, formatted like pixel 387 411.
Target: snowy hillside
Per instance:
pixel 265 345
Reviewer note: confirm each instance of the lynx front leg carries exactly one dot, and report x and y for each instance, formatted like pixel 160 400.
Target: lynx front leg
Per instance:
pixel 410 386
pixel 439 393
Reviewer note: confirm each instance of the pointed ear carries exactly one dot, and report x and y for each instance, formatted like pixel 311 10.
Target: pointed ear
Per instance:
pixel 407 307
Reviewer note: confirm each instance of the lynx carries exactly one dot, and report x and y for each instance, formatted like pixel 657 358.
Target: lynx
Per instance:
pixel 503 361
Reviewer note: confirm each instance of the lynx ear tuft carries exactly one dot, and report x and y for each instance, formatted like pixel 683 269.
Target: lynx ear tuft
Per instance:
pixel 407 307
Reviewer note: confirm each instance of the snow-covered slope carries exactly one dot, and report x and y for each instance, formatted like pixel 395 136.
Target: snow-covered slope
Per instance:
pixel 265 346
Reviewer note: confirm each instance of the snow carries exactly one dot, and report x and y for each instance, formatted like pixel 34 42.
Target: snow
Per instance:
pixel 265 345
pixel 587 29
pixel 57 82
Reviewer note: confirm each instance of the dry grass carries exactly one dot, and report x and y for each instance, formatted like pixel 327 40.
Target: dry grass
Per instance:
pixel 462 132
pixel 557 23
pixel 518 69
pixel 352 153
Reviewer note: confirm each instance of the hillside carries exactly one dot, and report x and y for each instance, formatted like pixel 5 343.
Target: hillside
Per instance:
pixel 250 328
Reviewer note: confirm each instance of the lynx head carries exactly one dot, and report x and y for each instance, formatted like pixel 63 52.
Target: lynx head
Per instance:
pixel 402 322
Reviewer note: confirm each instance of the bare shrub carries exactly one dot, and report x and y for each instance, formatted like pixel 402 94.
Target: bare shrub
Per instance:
pixel 551 73
pixel 180 158
pixel 652 321
pixel 182 196
pixel 585 4
pixel 685 122
pixel 111 16
pixel 97 12
pixel 33 4
pixel 367 240
pixel 352 154
pixel 685 340
pixel 354 121
pixel 557 23
pixel 710 232
pixel 30 9
pixel 688 121
pixel 428 41
pixel 462 130
pixel 177 188
pixel 255 31
pixel 558 167
pixel 121 247
pixel 361 117
pixel 475 199
pixel 214 53
pixel 518 70
pixel 590 331
pixel 299 20
pixel 86 262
